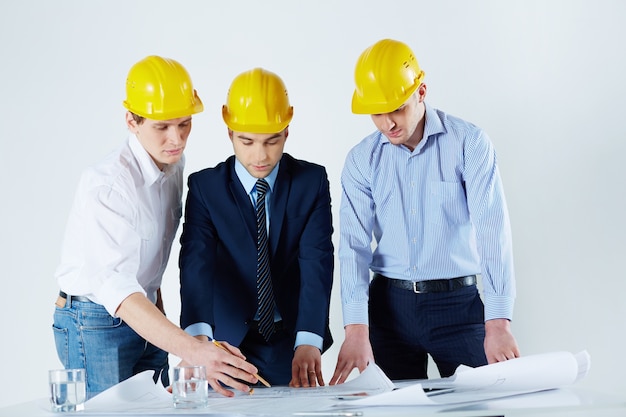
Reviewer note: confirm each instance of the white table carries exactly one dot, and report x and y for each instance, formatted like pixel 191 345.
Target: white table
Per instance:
pixel 568 402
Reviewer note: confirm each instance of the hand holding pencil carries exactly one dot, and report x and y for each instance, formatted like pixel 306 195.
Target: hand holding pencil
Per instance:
pixel 221 346
pixel 225 366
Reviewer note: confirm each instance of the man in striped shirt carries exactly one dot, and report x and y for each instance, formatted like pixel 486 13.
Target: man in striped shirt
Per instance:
pixel 426 186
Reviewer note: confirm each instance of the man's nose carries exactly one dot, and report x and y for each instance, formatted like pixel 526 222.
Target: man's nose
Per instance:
pixel 259 153
pixel 176 136
pixel 388 122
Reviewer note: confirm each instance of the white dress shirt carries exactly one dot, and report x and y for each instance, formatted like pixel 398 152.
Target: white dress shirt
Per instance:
pixel 121 227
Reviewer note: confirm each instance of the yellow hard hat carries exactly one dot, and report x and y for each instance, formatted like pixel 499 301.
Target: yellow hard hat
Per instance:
pixel 257 102
pixel 386 75
pixel 160 89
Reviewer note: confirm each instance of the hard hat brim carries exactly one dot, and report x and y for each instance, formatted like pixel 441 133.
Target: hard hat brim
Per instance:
pixel 359 107
pixel 256 128
pixel 196 107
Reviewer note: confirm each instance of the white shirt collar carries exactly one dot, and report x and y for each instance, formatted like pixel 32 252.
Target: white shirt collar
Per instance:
pixel 149 169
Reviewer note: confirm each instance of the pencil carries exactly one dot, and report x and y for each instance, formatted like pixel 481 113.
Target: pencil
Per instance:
pixel 221 346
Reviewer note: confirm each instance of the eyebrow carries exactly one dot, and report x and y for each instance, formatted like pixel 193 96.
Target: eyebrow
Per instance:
pixel 167 123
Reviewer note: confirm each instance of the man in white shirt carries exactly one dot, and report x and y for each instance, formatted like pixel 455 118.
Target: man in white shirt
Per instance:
pixel 109 316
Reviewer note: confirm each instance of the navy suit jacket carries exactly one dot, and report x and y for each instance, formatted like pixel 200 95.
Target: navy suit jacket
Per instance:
pixel 218 250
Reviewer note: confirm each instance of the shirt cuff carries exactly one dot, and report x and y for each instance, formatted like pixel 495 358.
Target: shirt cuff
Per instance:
pixel 115 290
pixel 498 307
pixel 355 313
pixel 200 329
pixel 308 338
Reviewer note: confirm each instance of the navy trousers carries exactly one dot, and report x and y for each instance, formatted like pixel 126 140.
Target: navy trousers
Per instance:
pixel 406 327
pixel 272 358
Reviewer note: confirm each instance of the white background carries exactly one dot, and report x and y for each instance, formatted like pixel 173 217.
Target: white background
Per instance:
pixel 545 79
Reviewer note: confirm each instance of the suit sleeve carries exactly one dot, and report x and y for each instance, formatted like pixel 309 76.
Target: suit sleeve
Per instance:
pixel 196 259
pixel 316 262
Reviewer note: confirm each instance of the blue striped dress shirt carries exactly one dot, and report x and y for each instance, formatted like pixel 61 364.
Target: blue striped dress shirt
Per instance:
pixel 436 212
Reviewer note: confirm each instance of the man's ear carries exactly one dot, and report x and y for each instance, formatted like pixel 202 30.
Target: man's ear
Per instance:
pixel 131 123
pixel 230 134
pixel 286 132
pixel 421 92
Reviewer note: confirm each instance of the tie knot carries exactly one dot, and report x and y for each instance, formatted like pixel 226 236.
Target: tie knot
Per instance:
pixel 261 187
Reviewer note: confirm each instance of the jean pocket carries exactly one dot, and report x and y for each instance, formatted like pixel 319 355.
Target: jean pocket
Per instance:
pixel 96 320
pixel 61 342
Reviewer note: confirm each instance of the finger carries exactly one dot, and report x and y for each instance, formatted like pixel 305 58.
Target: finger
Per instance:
pixel 295 376
pixel 217 387
pixel 361 365
pixel 342 378
pixel 316 378
pixel 240 374
pixel 231 371
pixel 504 356
pixel 233 349
pixel 496 358
pixel 512 354
pixel 240 369
pixel 336 378
pixel 320 379
pixel 304 373
pixel 311 378
pixel 337 374
pixel 229 381
pixel 507 354
pixel 341 374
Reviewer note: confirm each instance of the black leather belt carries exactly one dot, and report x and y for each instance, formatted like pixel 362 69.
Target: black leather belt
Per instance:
pixel 435 285
pixel 75 297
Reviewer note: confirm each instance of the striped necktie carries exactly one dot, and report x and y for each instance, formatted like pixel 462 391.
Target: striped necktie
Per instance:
pixel 265 293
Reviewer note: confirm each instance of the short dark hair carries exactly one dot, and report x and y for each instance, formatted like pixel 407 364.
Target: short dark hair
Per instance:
pixel 137 118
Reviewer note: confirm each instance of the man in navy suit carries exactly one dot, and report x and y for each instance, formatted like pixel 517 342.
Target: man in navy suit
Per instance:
pixel 220 241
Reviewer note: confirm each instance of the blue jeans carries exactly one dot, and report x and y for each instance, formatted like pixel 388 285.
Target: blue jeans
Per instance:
pixel 88 337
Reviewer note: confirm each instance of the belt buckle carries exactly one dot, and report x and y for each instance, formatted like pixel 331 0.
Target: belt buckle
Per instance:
pixel 415 290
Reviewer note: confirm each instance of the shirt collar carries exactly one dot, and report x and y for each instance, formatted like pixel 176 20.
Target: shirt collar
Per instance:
pixel 149 170
pixel 248 181
pixel 432 126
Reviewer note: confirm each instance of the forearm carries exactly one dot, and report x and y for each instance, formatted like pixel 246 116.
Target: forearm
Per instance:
pixel 149 322
pixel 224 366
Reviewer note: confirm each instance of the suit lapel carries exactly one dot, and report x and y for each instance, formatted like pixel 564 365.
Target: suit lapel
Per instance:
pixel 243 203
pixel 279 202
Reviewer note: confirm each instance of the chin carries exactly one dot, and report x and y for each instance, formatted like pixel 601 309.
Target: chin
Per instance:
pixel 397 141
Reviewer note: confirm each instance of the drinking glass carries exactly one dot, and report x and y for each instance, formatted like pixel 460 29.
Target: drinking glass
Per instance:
pixel 190 388
pixel 67 389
